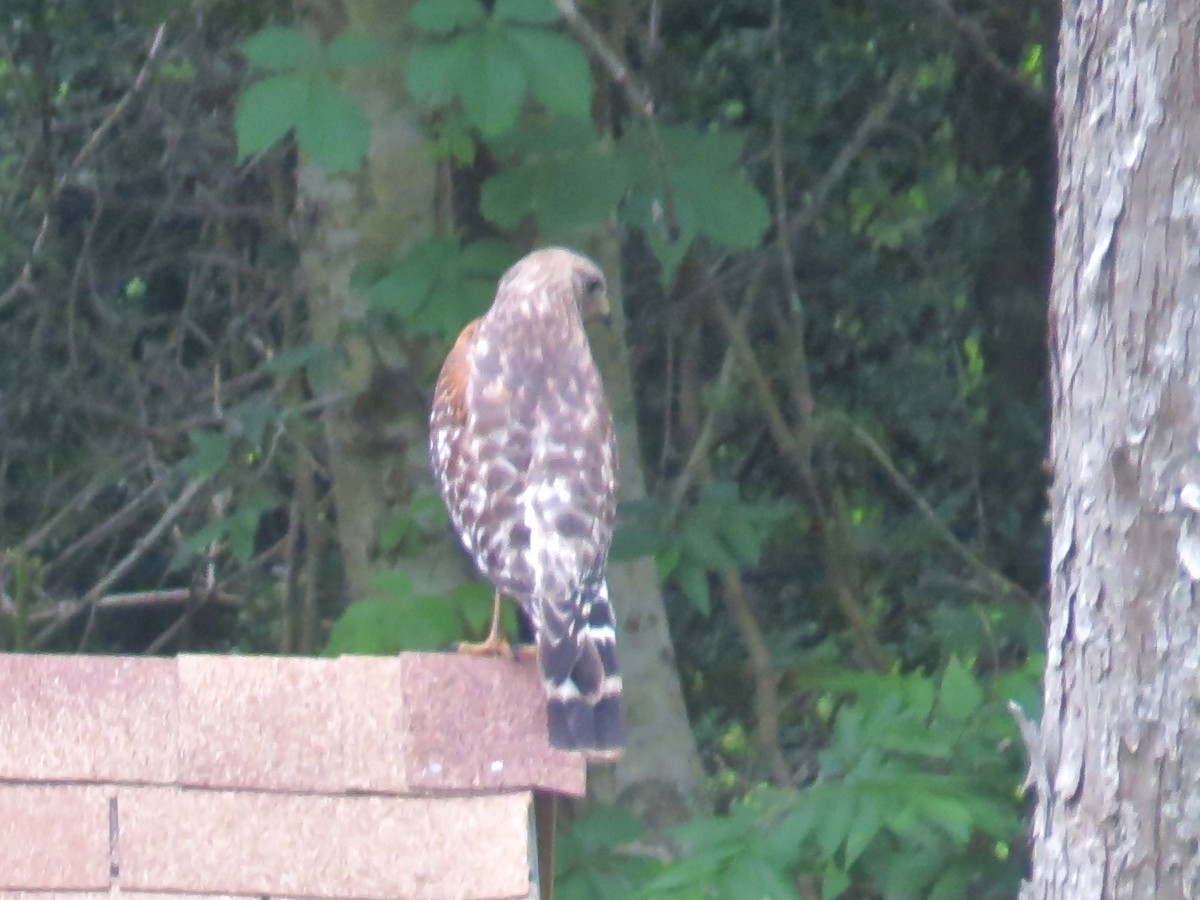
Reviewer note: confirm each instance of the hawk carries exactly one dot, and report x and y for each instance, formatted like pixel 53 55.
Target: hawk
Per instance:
pixel 521 438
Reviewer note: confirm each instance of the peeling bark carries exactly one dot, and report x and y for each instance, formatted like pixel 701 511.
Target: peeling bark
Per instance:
pixel 1119 746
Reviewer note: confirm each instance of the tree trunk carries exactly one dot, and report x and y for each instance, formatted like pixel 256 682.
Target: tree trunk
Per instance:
pixel 1117 759
pixel 660 778
pixel 375 429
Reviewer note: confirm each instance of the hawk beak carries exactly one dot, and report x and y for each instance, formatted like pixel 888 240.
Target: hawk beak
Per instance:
pixel 603 310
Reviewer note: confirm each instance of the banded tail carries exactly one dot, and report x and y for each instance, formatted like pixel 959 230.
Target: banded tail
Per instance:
pixel 585 699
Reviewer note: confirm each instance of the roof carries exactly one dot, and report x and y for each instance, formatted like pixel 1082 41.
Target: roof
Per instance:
pixel 407 776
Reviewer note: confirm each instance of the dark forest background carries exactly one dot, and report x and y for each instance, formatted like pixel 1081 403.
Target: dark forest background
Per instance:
pixel 830 223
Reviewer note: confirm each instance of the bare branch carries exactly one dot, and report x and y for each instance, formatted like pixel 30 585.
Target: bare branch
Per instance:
pixel 638 96
pixel 24 282
pixel 762 669
pixel 82 499
pixel 871 122
pixel 698 455
pixel 794 445
pixel 998 582
pixel 100 588
pixel 972 32
pixel 636 93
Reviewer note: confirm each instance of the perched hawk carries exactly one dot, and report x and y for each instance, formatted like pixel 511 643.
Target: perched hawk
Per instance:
pixel 523 450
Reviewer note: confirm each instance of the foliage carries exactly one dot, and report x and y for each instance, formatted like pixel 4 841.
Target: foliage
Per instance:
pixel 489 63
pixel 720 532
pixel 597 857
pixel 301 94
pixel 161 414
pixel 695 175
pixel 436 287
pixel 917 797
pixel 396 619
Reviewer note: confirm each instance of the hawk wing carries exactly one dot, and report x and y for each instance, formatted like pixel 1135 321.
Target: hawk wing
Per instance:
pixel 523 448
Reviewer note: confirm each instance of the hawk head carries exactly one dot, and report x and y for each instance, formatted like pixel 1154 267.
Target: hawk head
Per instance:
pixel 591 292
pixel 547 272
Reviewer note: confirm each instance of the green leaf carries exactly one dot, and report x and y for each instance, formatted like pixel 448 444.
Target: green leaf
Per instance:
pixel 401 292
pixel 484 69
pixel 430 76
pixel 694 582
pixel 254 416
pixel 751 876
pixel 706 191
pixel 332 129
pixel 280 49
pixel 793 830
pixel 670 251
pixel 590 187
pixel 953 883
pixel 702 547
pixel 183 70
pixel 454 141
pixel 862 830
pixel 438 287
pixel 424 515
pixel 528 12
pixel 634 542
pixel 833 829
pixel 198 543
pixel 486 258
pixel 728 210
pixel 268 109
pixel 567 194
pixel 353 49
pixel 559 74
pixel 960 694
pixel 948 814
pixel 394 623
pixel 717 834
pixel 667 560
pixel 559 137
pixel 210 452
pixel 391 584
pixel 917 740
pixel 907 875
pixel 491 81
pixel 240 529
pixel 834 882
pixel 474 601
pixel 605 826
pixel 919 695
pixel 509 195
pixel 443 16
pixel 742 539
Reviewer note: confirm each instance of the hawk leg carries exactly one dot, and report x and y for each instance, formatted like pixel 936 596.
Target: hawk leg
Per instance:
pixel 495 644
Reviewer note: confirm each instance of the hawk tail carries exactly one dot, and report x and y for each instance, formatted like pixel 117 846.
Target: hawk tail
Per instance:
pixel 585 700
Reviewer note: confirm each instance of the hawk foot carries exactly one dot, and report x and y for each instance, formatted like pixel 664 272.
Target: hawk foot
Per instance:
pixel 495 645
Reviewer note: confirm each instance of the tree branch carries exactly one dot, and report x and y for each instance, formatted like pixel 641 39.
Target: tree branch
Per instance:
pixel 998 582
pixel 100 588
pixel 636 93
pixel 762 669
pixel 638 96
pixel 796 450
pixel 24 281
pixel 974 35
pixel 871 122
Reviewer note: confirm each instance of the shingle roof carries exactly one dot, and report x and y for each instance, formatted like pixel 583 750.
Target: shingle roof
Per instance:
pixel 357 777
